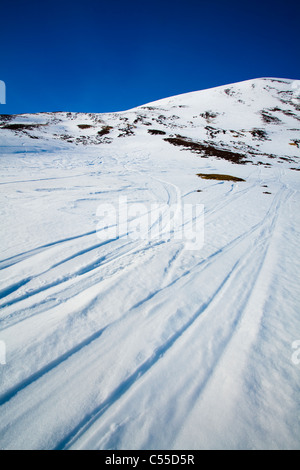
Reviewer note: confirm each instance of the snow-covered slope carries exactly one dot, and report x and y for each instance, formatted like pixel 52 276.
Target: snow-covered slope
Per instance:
pixel 115 341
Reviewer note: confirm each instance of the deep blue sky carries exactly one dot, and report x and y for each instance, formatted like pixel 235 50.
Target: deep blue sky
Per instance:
pixel 100 56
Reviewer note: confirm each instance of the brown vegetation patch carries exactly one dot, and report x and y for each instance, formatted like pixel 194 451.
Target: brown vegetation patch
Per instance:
pixel 213 176
pixel 6 117
pixel 213 131
pixel 206 149
pixel 269 119
pixel 105 130
pixel 84 126
pixel 156 132
pixel 22 127
pixel 127 131
pixel 259 134
pixel 208 115
pixel 287 159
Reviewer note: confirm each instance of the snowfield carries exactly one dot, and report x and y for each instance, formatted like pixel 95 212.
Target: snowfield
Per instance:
pixel 120 341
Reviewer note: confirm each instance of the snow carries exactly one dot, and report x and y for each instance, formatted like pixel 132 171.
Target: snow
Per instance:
pixel 127 342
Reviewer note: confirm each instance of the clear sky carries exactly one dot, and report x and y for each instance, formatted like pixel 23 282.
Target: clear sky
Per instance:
pixel 101 56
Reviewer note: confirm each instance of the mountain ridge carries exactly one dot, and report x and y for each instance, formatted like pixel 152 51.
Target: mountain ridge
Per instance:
pixel 242 117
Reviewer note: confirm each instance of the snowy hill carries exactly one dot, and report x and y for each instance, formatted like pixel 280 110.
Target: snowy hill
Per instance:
pixel 255 118
pixel 122 335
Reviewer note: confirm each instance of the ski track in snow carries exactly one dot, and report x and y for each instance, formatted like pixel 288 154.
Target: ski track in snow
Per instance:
pixel 168 345
pixel 142 344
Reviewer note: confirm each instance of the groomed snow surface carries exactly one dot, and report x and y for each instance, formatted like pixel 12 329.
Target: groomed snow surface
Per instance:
pixel 123 342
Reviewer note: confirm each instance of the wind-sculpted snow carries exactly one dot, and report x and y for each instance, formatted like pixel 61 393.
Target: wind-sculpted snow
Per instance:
pixel 117 332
